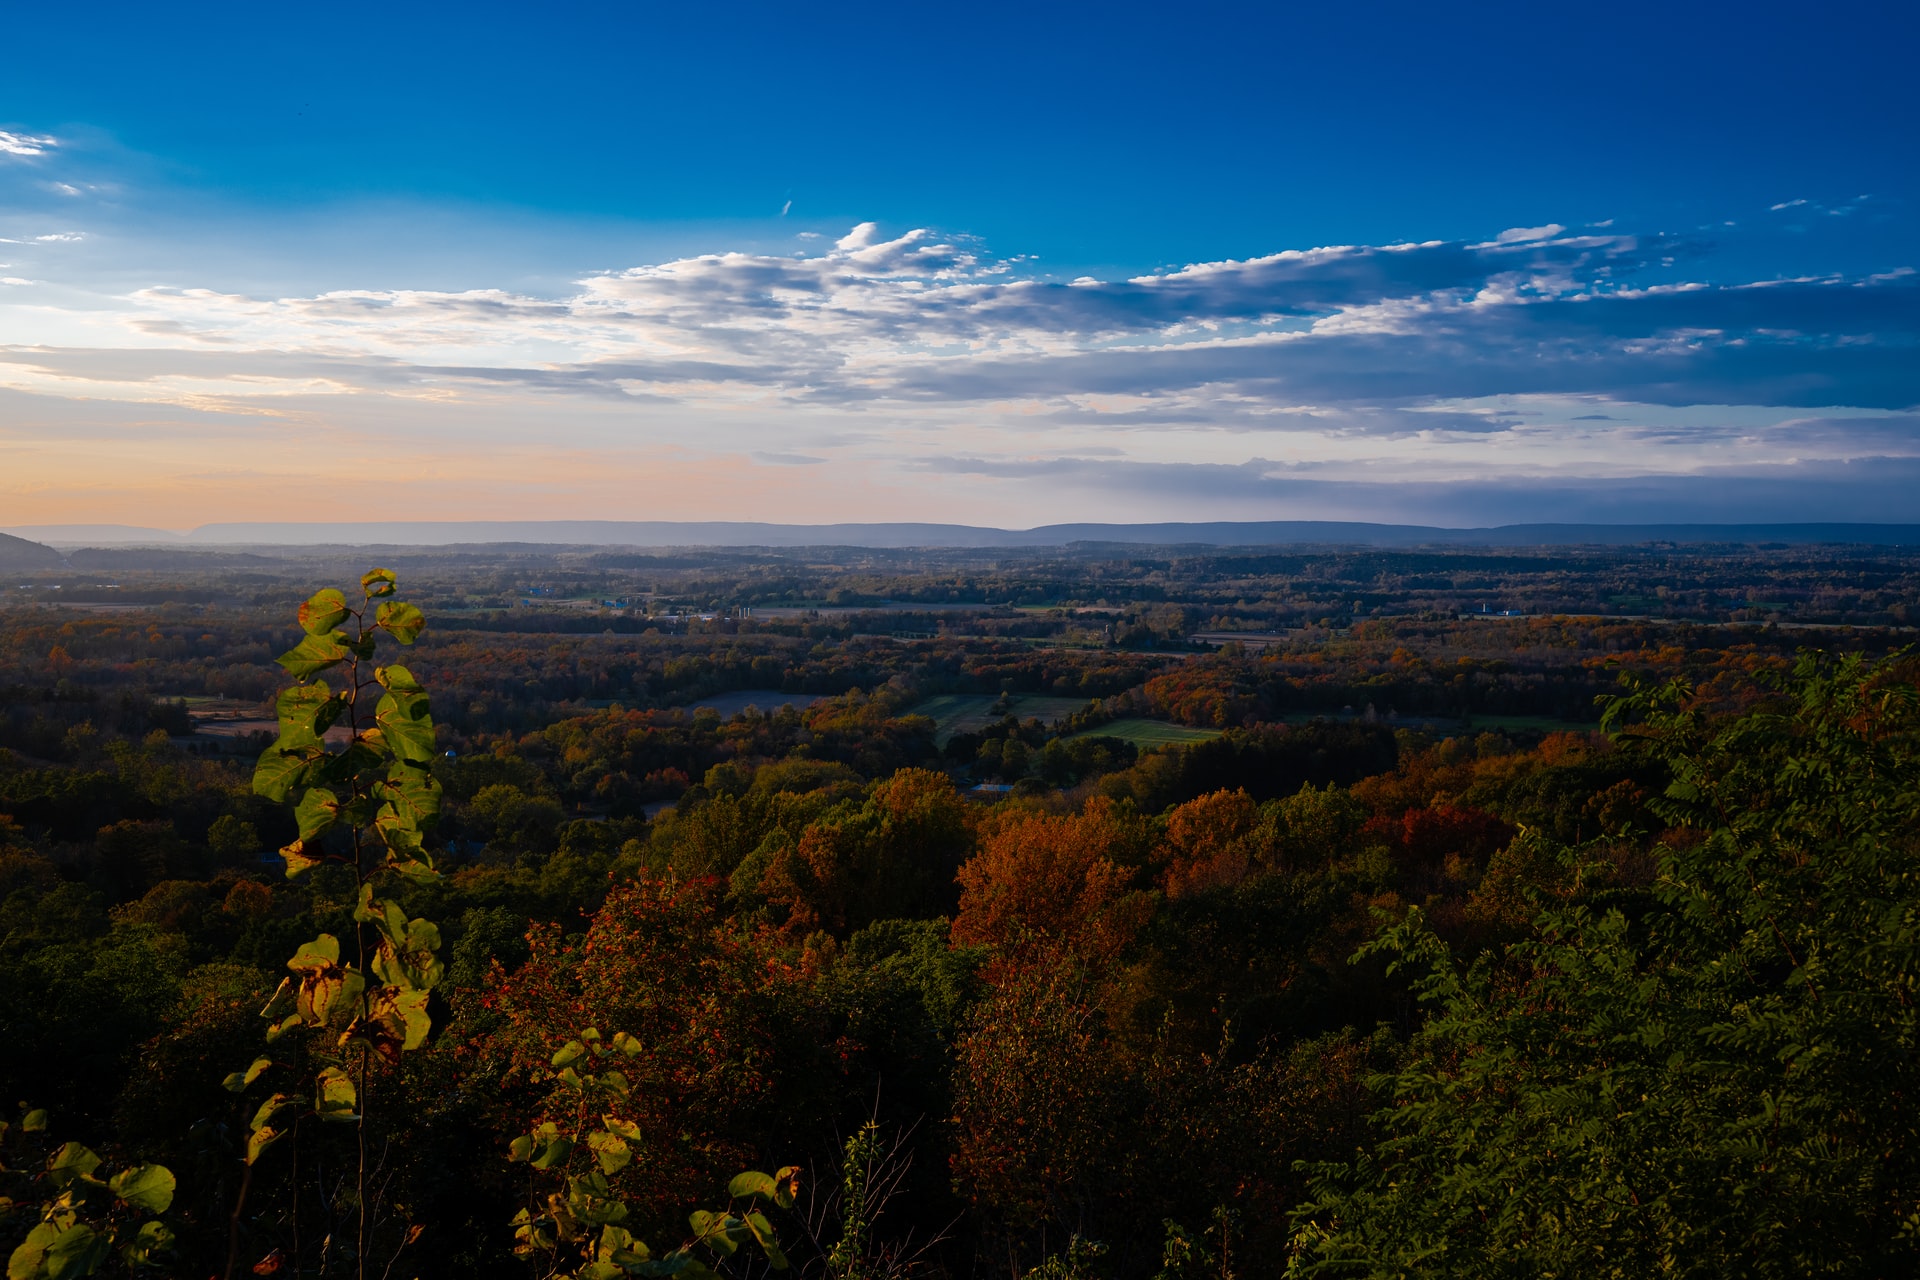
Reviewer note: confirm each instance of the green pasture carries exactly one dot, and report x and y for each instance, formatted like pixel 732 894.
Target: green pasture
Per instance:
pixel 953 713
pixel 1526 724
pixel 1150 733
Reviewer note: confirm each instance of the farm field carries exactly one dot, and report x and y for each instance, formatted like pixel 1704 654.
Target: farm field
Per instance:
pixel 970 712
pixel 1150 733
pixel 730 705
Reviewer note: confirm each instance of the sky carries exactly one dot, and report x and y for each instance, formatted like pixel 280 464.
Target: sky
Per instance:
pixel 997 264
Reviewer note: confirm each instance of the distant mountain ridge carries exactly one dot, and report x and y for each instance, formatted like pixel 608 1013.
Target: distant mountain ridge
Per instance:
pixel 725 533
pixel 19 553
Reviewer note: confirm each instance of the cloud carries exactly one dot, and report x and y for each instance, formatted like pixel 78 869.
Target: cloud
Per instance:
pixel 25 144
pixel 1537 362
pixel 1524 235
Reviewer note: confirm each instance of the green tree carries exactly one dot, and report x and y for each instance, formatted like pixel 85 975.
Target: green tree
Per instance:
pixel 1716 1083
pixel 364 806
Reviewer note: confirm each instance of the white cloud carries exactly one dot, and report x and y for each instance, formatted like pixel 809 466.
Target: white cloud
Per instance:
pixel 25 144
pixel 1536 352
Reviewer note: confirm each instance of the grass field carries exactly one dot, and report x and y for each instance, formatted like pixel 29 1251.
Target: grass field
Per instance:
pixel 953 713
pixel 1150 733
pixel 1536 724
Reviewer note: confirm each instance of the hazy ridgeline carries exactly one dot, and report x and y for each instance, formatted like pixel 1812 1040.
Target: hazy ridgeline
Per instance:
pixel 1169 911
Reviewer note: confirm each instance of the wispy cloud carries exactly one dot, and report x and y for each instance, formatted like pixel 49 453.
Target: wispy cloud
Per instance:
pixel 25 144
pixel 1598 357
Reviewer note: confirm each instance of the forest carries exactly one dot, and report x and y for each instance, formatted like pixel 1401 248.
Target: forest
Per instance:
pixel 1131 914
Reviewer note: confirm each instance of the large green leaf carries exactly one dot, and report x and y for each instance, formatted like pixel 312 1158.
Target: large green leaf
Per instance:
pixel 334 1096
pixel 26 1259
pixel 279 773
pixel 611 1150
pixel 316 813
pixel 323 612
pixel 305 711
pixel 153 1237
pixel 298 860
pixel 751 1184
pixel 410 802
pixel 315 654
pixel 260 1139
pixel 77 1251
pixel 145 1186
pixel 400 620
pixel 410 1007
pixel 263 1118
pixel 237 1081
pixel 406 726
pixel 396 679
pixel 769 1243
pixel 71 1163
pixel 340 768
pixel 555 1153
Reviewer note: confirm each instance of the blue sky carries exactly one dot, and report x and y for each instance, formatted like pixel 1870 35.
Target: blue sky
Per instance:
pixel 1001 264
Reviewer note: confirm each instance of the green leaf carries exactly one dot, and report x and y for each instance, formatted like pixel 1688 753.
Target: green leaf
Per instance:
pixel 409 802
pixel 405 726
pixel 77 1251
pixel 611 1150
pixel 34 1121
pixel 70 1164
pixel 324 611
pixel 556 1153
pixel 751 1184
pixel 317 811
pixel 379 582
pixel 298 860
pixel 398 680
pixel 153 1237
pixel 402 621
pixel 625 1128
pixel 315 654
pixel 418 870
pixel 26 1260
pixel 279 772
pixel 718 1231
pixel 334 1096
pixel 239 1080
pixel 769 1243
pixel 145 1186
pixel 408 1009
pixel 263 1118
pixel 285 998
pixel 304 712
pixel 520 1149
pixel 261 1139
pixel 342 767
pixel 319 953
pixel 571 1052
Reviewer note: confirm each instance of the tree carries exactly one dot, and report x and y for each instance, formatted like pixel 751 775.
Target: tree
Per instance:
pixel 1718 1085
pixel 365 809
